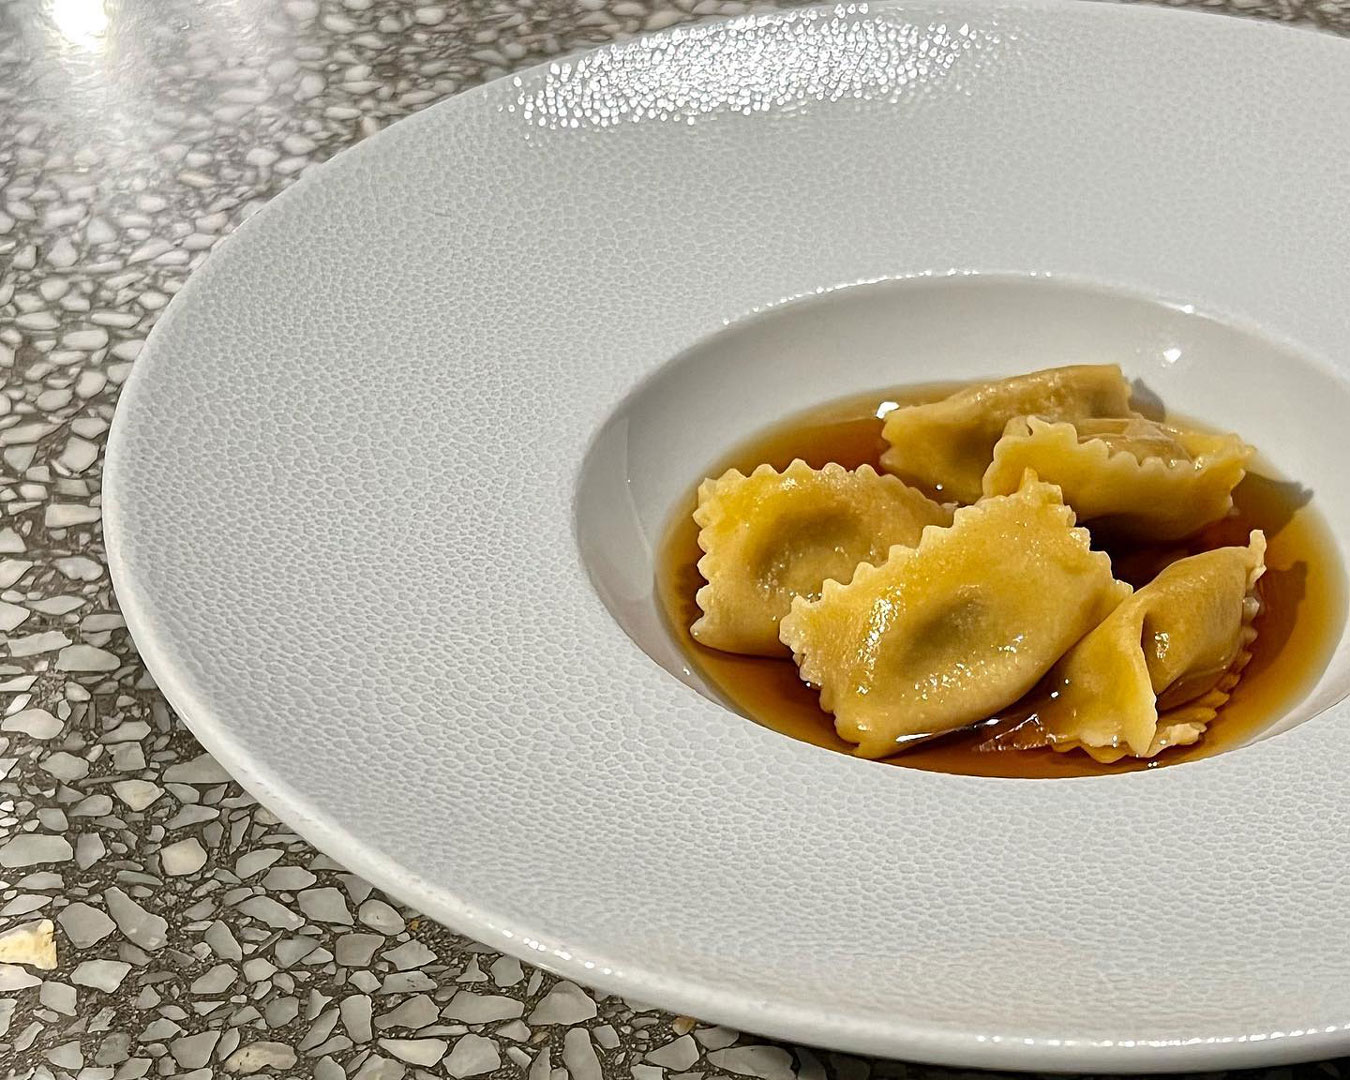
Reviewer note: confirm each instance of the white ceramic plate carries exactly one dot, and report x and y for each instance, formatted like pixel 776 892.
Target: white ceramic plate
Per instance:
pixel 362 546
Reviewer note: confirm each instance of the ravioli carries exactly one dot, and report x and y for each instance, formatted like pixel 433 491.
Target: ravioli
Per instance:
pixel 952 630
pixel 769 537
pixel 946 446
pixel 1156 671
pixel 1133 477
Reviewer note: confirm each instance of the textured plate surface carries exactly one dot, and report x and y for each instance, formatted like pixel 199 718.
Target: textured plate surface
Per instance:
pixel 340 509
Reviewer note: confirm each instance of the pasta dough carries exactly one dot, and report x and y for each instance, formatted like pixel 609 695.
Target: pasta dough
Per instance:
pixel 957 628
pixel 769 537
pixel 947 445
pixel 1134 477
pixel 1156 671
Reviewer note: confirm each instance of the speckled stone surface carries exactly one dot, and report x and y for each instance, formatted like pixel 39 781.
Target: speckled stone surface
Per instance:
pixel 154 920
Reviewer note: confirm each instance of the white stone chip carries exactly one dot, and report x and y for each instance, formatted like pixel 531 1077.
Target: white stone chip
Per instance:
pixel 137 925
pixel 400 982
pixel 380 916
pixel 194 1051
pixel 36 320
pixel 506 971
pixel 355 950
pixel 24 434
pixel 251 862
pixel 259 968
pixel 289 879
pixel 79 568
pixel 715 1038
pixel 222 942
pixel 88 850
pixel 62 254
pixel 267 910
pixel 13 977
pixel 356 1010
pixel 86 926
pixel 160 1029
pixel 54 398
pixel 65 766
pixel 11 570
pixel 58 605
pixel 184 857
pixel 541 1069
pixel 517 1030
pixel 281 1011
pixel 41 879
pixel 35 723
pixel 679 1055
pixel 417 1012
pixel 67 515
pixel 129 730
pixel 318 1032
pixel 260 1055
pixel 33 644
pixel 24 905
pixel 137 794
pixel 31 944
pixel 92 806
pixel 423 1052
pixel 30 849
pixel 98 231
pixel 326 1068
pixel 216 981
pixel 105 975
pixel 472 1056
pixel 765 1062
pixel 90 383
pixel 579 1055
pixel 66 1056
pixel 59 997
pixel 292 950
pixel 376 1067
pixel 203 769
pixel 411 954
pixel 325 905
pixel 86 658
pixel 149 250
pixel 472 1008
pixel 86 340
pixel 565 1003
pixel 310 86
pixel 11 616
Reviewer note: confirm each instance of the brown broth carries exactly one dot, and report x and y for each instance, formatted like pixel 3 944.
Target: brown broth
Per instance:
pixel 1303 597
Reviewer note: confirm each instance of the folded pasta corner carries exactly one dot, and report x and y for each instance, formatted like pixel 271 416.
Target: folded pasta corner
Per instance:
pixel 772 536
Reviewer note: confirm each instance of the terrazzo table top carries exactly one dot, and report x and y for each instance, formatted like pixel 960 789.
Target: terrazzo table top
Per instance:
pixel 154 920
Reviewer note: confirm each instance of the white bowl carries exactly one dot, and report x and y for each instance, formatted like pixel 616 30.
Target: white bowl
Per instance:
pixel 361 543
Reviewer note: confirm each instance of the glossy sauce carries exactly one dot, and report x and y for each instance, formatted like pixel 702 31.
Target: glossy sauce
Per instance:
pixel 1303 606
